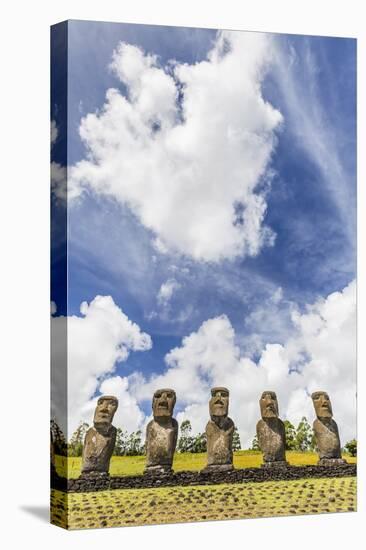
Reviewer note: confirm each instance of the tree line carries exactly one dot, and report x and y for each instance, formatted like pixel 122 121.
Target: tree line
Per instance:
pixel 299 439
pixel 302 439
pixel 188 443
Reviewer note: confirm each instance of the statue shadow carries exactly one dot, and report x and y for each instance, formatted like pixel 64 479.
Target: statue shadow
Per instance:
pixel 40 512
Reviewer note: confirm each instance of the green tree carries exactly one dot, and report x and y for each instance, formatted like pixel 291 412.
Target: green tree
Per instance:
pixel 313 446
pixel 134 445
pixel 290 433
pixel 351 447
pixel 121 443
pixel 255 444
pixel 199 444
pixel 236 440
pixel 185 441
pixel 58 439
pixel 75 447
pixel 304 438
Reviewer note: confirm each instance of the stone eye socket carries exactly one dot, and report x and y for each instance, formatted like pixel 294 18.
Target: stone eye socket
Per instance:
pixel 169 395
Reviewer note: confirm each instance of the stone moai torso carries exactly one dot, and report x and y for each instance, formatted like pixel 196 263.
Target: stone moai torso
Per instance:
pixel 161 433
pixel 219 432
pixel 100 439
pixel 326 431
pixel 271 431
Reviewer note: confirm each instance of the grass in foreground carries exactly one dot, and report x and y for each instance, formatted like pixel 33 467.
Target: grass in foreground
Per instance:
pixel 127 507
pixel 134 465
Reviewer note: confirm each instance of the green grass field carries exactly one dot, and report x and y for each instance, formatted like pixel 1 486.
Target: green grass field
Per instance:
pixel 127 507
pixel 134 465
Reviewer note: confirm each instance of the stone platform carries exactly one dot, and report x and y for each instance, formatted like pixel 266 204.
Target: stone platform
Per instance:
pixel 187 478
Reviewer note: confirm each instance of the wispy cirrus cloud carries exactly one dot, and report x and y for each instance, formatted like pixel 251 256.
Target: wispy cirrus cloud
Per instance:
pixel 167 290
pixel 298 72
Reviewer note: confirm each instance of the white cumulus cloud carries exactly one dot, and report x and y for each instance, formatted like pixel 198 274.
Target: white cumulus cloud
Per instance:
pixel 320 356
pixel 96 342
pixel 58 172
pixel 54 132
pixel 187 147
pixel 59 187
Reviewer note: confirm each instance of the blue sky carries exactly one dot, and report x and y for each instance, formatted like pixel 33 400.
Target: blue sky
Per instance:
pixel 307 181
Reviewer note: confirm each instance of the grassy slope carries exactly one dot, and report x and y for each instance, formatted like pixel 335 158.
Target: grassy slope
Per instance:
pixel 201 503
pixel 134 465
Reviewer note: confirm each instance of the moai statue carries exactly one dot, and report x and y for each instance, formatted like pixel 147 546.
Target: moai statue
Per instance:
pixel 100 439
pixel 271 432
pixel 326 431
pixel 219 432
pixel 161 433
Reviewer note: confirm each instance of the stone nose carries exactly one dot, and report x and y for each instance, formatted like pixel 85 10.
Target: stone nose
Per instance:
pixel 163 400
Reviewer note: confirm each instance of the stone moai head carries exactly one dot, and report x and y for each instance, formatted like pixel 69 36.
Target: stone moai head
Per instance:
pixel 322 404
pixel 269 405
pixel 104 412
pixel 219 402
pixel 163 403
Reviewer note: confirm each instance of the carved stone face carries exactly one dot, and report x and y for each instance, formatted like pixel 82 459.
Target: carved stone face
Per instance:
pixel 322 404
pixel 163 403
pixel 219 402
pixel 268 404
pixel 104 412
